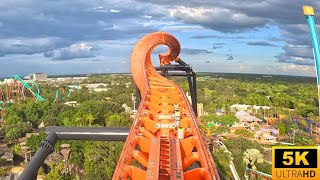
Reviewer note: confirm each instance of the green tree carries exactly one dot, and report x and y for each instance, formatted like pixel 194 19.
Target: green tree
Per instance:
pixel 32 113
pixel 34 141
pixel 208 118
pixel 89 119
pixel 117 120
pixel 244 133
pixel 12 135
pixel 229 119
pixel 15 131
pixel 123 99
pixel 219 129
pixel 101 159
pixel 3 171
pixel 222 158
pixel 264 167
pixel 16 149
pixel 304 139
pixel 282 129
pixel 67 117
pixel 251 157
pixel 55 171
pixel 50 121
pixel 237 146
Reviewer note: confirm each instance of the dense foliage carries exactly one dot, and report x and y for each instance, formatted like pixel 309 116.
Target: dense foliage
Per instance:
pixel 244 133
pixel 285 95
pixel 282 93
pixel 227 120
pixel 222 159
pixel 97 159
pixel 237 147
pixel 293 133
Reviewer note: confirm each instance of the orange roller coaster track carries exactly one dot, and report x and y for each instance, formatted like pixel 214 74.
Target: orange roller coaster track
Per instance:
pixel 164 141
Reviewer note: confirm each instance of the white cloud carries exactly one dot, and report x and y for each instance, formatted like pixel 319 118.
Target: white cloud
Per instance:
pixel 28 45
pixel 81 50
pixel 103 9
pixel 180 28
pixel 158 23
pixel 299 68
pixel 114 10
pixel 147 16
pixel 217 18
pixel 249 15
pixel 95 20
pixel 296 54
pixel 245 68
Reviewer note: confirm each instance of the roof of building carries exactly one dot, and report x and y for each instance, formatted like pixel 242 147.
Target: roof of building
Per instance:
pixel 273 130
pixel 268 136
pixel 244 116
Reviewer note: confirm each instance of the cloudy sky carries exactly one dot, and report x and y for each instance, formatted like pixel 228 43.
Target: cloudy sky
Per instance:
pixel 97 36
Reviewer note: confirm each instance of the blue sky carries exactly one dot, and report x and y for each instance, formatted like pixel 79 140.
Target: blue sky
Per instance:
pixel 97 36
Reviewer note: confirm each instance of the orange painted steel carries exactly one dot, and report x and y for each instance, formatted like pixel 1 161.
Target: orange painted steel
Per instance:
pixel 153 149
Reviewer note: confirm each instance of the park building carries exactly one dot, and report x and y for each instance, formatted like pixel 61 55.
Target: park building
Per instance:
pixel 264 136
pixel 236 126
pixel 200 109
pixel 247 119
pixel 248 108
pixel 39 77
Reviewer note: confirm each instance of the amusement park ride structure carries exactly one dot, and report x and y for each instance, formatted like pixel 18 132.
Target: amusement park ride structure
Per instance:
pixel 164 140
pixel 17 89
pixel 58 97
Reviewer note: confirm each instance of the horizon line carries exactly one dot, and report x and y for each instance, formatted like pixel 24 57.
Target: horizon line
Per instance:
pixel 90 74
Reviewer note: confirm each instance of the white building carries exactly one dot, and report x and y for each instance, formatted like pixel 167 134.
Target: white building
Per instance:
pixel 39 77
pixel 240 107
pixel 72 103
pixel 95 85
pixel 247 119
pixel 245 107
pixel 75 86
pixel 200 109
